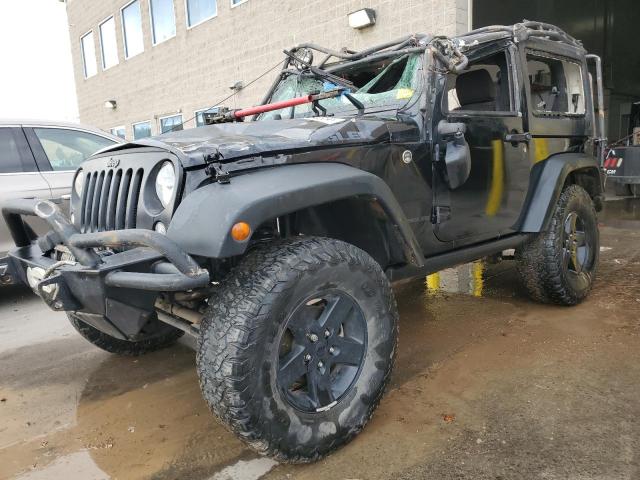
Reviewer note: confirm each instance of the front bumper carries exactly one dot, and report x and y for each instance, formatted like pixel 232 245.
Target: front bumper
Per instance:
pixel 91 283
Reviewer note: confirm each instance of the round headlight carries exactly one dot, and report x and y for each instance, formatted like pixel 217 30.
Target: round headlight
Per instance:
pixel 78 183
pixel 165 183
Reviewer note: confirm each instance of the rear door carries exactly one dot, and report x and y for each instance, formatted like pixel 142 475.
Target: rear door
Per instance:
pixel 59 152
pixel 484 98
pixel 19 178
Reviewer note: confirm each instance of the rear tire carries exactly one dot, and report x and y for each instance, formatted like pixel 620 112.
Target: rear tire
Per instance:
pixel 559 265
pixel 159 336
pixel 297 347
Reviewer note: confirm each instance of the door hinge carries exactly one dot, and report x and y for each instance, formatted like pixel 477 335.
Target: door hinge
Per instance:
pixel 440 214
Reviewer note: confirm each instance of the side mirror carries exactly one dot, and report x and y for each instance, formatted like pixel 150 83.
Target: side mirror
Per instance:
pixel 457 157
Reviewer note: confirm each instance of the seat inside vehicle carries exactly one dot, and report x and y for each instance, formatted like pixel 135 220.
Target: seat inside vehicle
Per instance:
pixel 482 87
pixel 476 91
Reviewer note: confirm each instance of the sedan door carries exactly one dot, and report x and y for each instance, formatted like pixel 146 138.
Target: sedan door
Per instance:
pixel 19 178
pixel 59 152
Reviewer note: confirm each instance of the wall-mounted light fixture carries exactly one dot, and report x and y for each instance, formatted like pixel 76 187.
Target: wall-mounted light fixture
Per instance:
pixel 362 18
pixel 236 87
pixel 110 104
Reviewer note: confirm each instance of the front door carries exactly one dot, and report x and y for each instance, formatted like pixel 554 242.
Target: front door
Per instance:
pixel 482 97
pixel 59 152
pixel 19 178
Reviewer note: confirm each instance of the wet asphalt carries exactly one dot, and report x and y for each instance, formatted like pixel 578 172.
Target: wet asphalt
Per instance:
pixel 488 385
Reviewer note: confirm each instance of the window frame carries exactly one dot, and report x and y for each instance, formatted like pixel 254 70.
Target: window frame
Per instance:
pixel 186 15
pixel 560 58
pixel 39 153
pixel 510 52
pixel 234 5
pixel 133 131
pixel 153 33
pixel 84 58
pixel 176 114
pixel 123 127
pixel 115 39
pixel 124 30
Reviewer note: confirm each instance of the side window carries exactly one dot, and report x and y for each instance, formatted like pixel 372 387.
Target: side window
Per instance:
pixel 67 149
pixel 13 151
pixel 556 85
pixel 485 86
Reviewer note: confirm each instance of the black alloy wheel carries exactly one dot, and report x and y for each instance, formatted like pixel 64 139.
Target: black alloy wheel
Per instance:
pixel 577 251
pixel 321 351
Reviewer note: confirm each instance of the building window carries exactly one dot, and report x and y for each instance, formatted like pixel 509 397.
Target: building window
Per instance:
pixel 108 44
pixel 88 55
pixel 200 10
pixel 132 29
pixel 163 20
pixel 235 3
pixel 118 131
pixel 141 130
pixel 172 123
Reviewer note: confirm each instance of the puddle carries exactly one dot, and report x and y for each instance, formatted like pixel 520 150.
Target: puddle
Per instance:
pixel 246 470
pixel 77 466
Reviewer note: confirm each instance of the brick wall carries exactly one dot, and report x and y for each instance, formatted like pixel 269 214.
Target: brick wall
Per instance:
pixel 195 69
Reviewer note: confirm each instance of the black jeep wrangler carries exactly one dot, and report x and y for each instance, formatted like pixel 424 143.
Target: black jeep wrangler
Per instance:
pixel 275 241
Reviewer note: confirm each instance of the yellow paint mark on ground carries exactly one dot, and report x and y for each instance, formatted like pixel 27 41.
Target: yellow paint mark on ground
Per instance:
pixel 478 279
pixel 433 282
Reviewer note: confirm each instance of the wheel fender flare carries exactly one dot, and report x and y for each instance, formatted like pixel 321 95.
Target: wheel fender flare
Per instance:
pixel 547 180
pixel 202 223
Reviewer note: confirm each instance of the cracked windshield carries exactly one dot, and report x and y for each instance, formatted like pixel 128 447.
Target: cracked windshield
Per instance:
pixel 380 85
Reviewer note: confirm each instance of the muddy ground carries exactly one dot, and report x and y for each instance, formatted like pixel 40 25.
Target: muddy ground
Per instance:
pixel 488 385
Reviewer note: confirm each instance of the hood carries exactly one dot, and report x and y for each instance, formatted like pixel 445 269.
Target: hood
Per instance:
pixel 231 141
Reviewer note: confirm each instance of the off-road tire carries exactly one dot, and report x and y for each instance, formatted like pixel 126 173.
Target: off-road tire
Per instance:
pixel 162 336
pixel 540 261
pixel 238 351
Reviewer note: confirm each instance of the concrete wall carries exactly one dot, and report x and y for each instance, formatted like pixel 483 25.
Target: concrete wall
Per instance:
pixel 195 69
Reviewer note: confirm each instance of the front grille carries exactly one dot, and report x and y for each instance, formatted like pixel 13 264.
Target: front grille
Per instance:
pixel 110 199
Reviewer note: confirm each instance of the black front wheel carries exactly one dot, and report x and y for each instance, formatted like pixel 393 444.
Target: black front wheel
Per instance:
pixel 559 265
pixel 297 347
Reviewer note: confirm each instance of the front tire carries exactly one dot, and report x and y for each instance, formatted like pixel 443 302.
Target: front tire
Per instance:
pixel 559 265
pixel 158 336
pixel 297 347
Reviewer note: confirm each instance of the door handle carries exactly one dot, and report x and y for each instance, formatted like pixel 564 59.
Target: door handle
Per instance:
pixel 515 137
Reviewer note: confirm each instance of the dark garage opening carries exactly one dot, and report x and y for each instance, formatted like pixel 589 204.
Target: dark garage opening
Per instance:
pixel 608 28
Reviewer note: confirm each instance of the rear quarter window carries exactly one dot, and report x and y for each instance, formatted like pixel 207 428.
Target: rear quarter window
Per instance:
pixel 556 85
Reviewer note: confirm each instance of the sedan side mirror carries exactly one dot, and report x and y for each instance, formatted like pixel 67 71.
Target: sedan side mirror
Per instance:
pixel 457 156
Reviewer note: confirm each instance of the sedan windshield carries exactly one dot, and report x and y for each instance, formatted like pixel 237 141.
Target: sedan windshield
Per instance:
pixel 382 85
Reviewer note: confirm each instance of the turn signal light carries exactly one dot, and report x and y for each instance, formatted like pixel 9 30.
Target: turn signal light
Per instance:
pixel 240 231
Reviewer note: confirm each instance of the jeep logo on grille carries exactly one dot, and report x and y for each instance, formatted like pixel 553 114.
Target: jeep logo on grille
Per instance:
pixel 113 163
